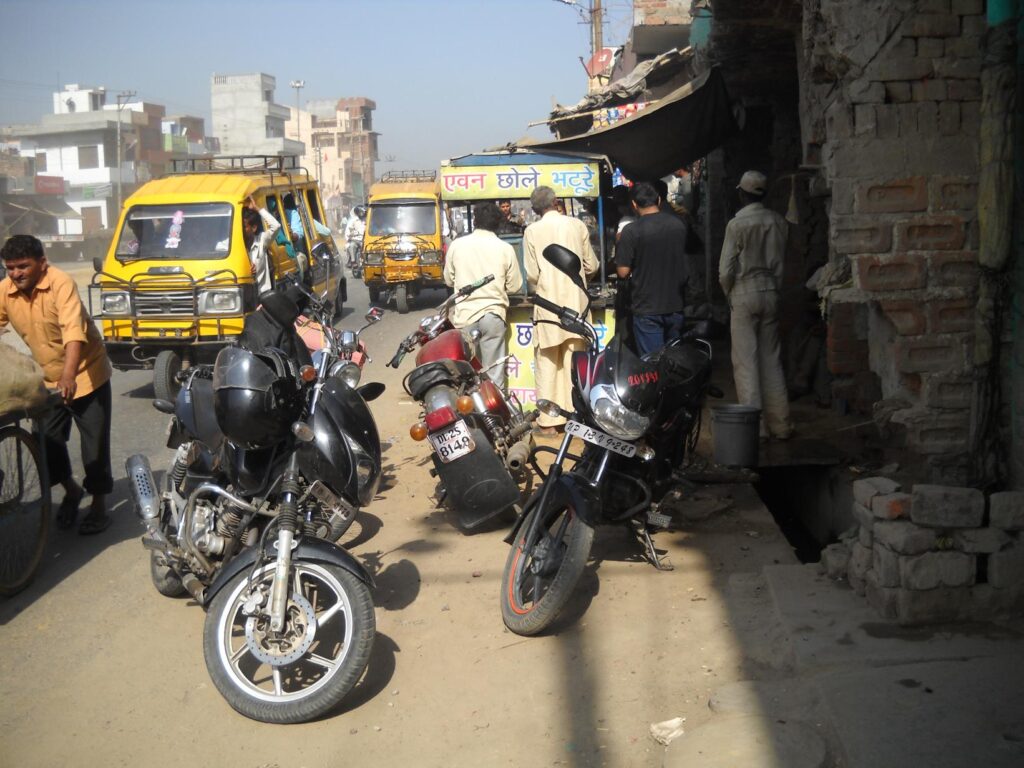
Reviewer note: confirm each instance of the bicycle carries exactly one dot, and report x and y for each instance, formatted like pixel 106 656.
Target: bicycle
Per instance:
pixel 24 496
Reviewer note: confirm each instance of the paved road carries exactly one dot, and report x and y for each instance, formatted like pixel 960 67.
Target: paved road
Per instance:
pixel 100 670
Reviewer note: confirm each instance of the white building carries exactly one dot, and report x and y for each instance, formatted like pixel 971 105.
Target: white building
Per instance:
pixel 245 117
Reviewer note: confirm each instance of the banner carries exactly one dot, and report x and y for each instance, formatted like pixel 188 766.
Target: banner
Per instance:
pixel 495 182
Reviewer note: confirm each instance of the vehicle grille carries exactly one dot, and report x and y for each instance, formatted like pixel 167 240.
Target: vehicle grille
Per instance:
pixel 401 255
pixel 148 303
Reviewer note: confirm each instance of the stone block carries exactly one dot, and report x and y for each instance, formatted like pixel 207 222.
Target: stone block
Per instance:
pixel 891 506
pixel 858 585
pixel 931 233
pixel 954 194
pixel 886 565
pixel 951 315
pixel 970 118
pixel 965 46
pixel 860 562
pixel 947 506
pixel 988 602
pixel 907 316
pixel 839 121
pixel 932 6
pixel 953 269
pixel 937 569
pixel 851 234
pixel 930 354
pixel 896 92
pixel 927 118
pixel 883 600
pixel 906 118
pixel 866 488
pixel 932 25
pixel 863 516
pixel 945 392
pixel 864 123
pixel 964 90
pixel 1006 568
pixel 959 68
pixel 932 89
pixel 941 433
pixel 904 537
pixel 864 537
pixel 866 92
pixel 949 119
pixel 887 125
pixel 968 7
pixel 1006 510
pixel 981 541
pixel 932 606
pixel 896 196
pixel 835 559
pixel 898 272
pixel 931 47
pixel 904 68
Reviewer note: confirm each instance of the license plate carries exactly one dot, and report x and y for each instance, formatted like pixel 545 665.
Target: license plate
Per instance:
pixel 453 442
pixel 596 437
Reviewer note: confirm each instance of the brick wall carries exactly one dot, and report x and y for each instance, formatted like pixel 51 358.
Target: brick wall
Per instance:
pixel 654 12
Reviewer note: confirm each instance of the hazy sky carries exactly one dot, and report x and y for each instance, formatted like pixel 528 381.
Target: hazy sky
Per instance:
pixel 448 76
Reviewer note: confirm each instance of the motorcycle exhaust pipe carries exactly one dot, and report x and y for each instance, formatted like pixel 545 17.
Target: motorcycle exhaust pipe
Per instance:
pixel 518 455
pixel 142 487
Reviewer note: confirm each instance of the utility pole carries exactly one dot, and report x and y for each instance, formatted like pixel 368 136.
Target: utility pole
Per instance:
pixel 597 34
pixel 298 85
pixel 122 98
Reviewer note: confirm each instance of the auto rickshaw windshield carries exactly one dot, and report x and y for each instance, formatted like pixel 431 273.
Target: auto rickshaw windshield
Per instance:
pixel 185 231
pixel 403 218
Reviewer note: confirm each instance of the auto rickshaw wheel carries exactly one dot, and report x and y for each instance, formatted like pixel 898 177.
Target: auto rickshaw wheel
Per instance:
pixel 402 298
pixel 165 369
pixel 374 294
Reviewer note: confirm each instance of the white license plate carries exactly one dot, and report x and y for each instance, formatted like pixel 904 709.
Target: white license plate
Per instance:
pixel 453 443
pixel 596 437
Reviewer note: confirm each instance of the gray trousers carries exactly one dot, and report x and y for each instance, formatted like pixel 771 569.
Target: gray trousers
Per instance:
pixel 491 345
pixel 756 366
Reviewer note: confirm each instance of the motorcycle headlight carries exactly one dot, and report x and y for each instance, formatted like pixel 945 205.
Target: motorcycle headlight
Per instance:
pixel 430 257
pixel 347 371
pixel 366 467
pixel 615 418
pixel 116 303
pixel 373 259
pixel 220 301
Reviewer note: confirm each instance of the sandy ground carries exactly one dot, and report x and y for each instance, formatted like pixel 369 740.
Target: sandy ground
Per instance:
pixel 100 670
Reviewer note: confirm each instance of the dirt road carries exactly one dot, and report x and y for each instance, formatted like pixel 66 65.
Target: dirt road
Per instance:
pixel 100 670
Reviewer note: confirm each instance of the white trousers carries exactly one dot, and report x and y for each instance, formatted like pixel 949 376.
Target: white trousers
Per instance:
pixel 756 364
pixel 552 372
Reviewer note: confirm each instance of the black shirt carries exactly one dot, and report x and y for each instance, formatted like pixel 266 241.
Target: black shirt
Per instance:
pixel 654 248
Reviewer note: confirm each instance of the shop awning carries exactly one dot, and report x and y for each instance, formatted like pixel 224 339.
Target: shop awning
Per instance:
pixel 682 127
pixel 43 204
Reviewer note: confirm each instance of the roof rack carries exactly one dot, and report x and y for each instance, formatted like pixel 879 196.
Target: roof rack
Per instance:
pixel 254 165
pixel 409 176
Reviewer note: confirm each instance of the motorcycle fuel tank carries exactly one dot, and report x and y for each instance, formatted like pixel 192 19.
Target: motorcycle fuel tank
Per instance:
pixel 450 345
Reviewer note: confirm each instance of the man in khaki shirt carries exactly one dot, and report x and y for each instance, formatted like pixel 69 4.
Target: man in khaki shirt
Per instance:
pixel 554 345
pixel 475 256
pixel 42 304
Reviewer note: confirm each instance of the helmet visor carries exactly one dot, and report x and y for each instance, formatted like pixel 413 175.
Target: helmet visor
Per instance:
pixel 237 368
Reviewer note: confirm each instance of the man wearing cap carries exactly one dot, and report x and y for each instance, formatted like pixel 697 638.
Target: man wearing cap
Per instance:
pixel 750 272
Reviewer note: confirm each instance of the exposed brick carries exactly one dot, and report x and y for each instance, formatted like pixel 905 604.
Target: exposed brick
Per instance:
pixel 970 118
pixel 866 92
pixel 932 354
pixel 904 537
pixel 861 235
pixel 940 434
pixel 891 68
pixel 867 488
pixel 849 319
pixel 981 541
pixel 846 357
pixel 959 69
pixel 1006 568
pixel 968 7
pixel 891 506
pixel 842 197
pixel 951 315
pixel 886 565
pixel 928 118
pixel 932 89
pixel 949 119
pixel 931 233
pixel 974 26
pixel 947 506
pixel 912 383
pixel 887 124
pixel 906 315
pixel 931 47
pixel 932 25
pixel 864 123
pixel 963 90
pixel 954 194
pixel 949 393
pixel 932 6
pixel 965 46
pixel 906 117
pixel 896 272
pixel 937 569
pixel 896 196
pixel 897 91
pixel 953 268
pixel 1006 510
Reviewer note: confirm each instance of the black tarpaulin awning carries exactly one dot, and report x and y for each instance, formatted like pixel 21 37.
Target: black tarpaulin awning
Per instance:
pixel 682 127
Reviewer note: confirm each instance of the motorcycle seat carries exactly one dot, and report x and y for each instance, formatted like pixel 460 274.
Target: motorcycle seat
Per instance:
pixel 423 377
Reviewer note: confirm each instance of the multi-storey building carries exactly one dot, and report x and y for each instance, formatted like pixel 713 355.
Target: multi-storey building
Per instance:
pixel 245 118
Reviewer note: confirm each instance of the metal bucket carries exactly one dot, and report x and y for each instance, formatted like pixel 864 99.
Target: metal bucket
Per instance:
pixel 735 433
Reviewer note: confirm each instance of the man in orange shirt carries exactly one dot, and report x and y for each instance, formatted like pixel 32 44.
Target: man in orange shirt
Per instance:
pixel 42 304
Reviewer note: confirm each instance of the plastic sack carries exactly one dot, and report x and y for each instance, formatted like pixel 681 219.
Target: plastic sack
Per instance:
pixel 21 381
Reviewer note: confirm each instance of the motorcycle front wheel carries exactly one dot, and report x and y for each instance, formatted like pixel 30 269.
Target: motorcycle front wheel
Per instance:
pixel 543 567
pixel 306 670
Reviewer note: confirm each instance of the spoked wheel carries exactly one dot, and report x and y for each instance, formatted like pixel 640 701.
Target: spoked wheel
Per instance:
pixel 24 510
pixel 543 566
pixel 402 298
pixel 304 671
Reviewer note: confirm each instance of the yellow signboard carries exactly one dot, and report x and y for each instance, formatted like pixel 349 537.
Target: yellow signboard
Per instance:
pixel 520 367
pixel 480 182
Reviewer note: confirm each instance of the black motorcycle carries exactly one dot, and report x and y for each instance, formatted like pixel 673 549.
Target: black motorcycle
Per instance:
pixel 637 419
pixel 274 458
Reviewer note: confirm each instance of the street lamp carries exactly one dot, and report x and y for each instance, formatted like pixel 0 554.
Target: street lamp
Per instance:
pixel 298 85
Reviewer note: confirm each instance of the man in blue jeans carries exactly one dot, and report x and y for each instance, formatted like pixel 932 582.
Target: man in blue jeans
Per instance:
pixel 651 254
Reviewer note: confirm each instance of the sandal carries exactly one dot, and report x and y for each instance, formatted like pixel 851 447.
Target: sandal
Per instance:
pixel 67 512
pixel 93 524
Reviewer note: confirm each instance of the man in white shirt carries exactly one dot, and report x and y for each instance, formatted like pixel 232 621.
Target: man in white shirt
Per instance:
pixel 256 242
pixel 475 256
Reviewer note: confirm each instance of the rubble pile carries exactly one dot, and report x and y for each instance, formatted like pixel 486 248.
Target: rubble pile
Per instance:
pixel 936 554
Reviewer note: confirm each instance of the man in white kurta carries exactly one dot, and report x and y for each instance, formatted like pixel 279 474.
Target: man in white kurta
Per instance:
pixel 553 345
pixel 471 258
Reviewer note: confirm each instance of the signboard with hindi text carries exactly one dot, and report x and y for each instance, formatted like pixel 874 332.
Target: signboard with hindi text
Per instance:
pixel 481 182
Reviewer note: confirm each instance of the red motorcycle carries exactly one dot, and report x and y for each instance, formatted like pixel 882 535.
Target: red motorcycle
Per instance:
pixel 479 436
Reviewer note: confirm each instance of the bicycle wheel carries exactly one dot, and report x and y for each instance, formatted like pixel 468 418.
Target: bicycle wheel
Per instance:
pixel 24 509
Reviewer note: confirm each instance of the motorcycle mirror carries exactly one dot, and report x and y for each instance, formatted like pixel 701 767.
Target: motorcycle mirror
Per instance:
pixel 371 391
pixel 97 264
pixel 566 262
pixel 375 315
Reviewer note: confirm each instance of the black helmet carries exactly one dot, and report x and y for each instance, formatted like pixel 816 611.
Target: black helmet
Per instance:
pixel 255 397
pixel 360 211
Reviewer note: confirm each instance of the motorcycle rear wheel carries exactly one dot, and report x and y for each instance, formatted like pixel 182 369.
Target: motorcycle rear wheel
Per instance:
pixel 541 574
pixel 254 670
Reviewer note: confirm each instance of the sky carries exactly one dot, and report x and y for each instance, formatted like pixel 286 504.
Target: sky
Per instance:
pixel 449 77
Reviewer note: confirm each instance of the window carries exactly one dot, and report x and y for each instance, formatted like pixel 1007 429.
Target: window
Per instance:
pixel 40 162
pixel 190 231
pixel 89 157
pixel 402 217
pixel 268 95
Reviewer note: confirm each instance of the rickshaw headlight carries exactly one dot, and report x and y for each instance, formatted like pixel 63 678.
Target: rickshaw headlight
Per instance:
pixel 116 303
pixel 373 259
pixel 430 257
pixel 220 301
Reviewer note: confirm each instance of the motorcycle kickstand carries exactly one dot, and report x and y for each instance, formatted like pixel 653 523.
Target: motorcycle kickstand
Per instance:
pixel 644 536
